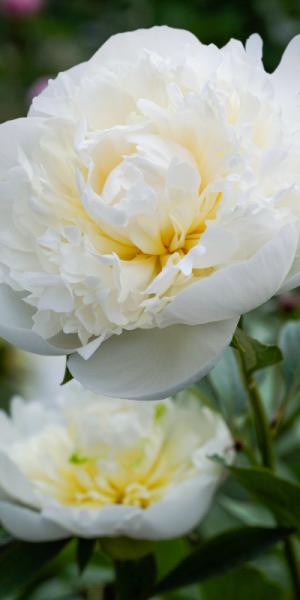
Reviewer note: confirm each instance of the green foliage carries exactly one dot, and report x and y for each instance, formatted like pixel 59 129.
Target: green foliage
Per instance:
pixel 246 583
pixel 85 549
pixel 282 497
pixel 135 579
pixel 221 553
pixel 255 354
pixel 20 562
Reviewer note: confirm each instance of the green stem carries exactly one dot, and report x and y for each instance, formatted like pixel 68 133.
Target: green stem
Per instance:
pixel 263 432
pixel 291 558
pixel 265 442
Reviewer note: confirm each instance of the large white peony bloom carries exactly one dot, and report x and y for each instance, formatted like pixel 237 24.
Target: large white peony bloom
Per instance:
pixel 150 198
pixel 92 467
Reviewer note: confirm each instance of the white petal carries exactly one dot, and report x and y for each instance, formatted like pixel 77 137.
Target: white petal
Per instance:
pixel 238 288
pixel 127 47
pixel 13 483
pixel 54 100
pixel 16 324
pixel 254 46
pixel 153 363
pixel 178 513
pixel 28 525
pixel 286 76
pixel 175 515
pixel 113 521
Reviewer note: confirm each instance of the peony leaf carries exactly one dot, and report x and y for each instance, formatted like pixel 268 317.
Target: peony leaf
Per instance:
pixel 67 375
pixel 226 381
pixel 246 583
pixel 289 342
pixel 221 553
pixel 20 562
pixel 255 354
pixel 281 496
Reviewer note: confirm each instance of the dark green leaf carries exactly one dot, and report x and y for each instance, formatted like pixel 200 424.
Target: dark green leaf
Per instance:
pixel 221 553
pixel 281 496
pixel 226 381
pixel 168 553
pixel 20 562
pixel 246 583
pixel 67 376
pixel 255 354
pixel 85 549
pixel 289 342
pixel 135 579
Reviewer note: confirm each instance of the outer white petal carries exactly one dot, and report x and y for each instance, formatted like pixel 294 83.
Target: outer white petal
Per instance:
pixel 154 363
pixel 29 525
pixel 175 515
pixel 286 76
pixel 111 521
pixel 13 136
pixel 123 47
pixel 16 324
pixel 13 484
pixel 127 47
pixel 55 98
pixel 238 288
pixel 178 513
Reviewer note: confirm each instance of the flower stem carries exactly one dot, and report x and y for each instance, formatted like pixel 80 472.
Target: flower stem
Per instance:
pixel 263 432
pixel 265 443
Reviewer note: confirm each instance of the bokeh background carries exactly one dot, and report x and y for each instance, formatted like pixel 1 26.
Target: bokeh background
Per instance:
pixel 39 38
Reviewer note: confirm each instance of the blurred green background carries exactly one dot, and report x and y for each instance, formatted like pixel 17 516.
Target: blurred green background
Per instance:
pixel 55 34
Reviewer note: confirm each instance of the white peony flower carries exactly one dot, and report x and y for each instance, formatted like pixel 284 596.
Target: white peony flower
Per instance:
pixel 150 198
pixel 91 467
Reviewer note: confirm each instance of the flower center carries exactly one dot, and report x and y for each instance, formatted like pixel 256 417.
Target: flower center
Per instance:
pixel 136 475
pixel 150 201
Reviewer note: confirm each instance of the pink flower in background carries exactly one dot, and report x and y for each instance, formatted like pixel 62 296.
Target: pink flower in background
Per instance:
pixel 37 88
pixel 21 8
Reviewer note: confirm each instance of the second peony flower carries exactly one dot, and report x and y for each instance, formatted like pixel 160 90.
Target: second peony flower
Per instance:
pixel 149 199
pixel 92 467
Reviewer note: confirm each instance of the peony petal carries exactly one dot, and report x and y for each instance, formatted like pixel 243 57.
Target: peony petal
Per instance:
pixel 238 288
pixel 16 324
pixel 13 483
pixel 14 135
pixel 254 47
pixel 28 525
pixel 112 521
pixel 286 77
pixel 54 99
pixel 176 514
pixel 153 363
pixel 127 47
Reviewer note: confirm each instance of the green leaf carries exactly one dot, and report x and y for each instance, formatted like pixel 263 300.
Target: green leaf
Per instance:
pixel 255 354
pixel 85 549
pixel 221 553
pixel 281 496
pixel 67 375
pixel 20 562
pixel 168 553
pixel 289 342
pixel 246 583
pixel 226 381
pixel 135 579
